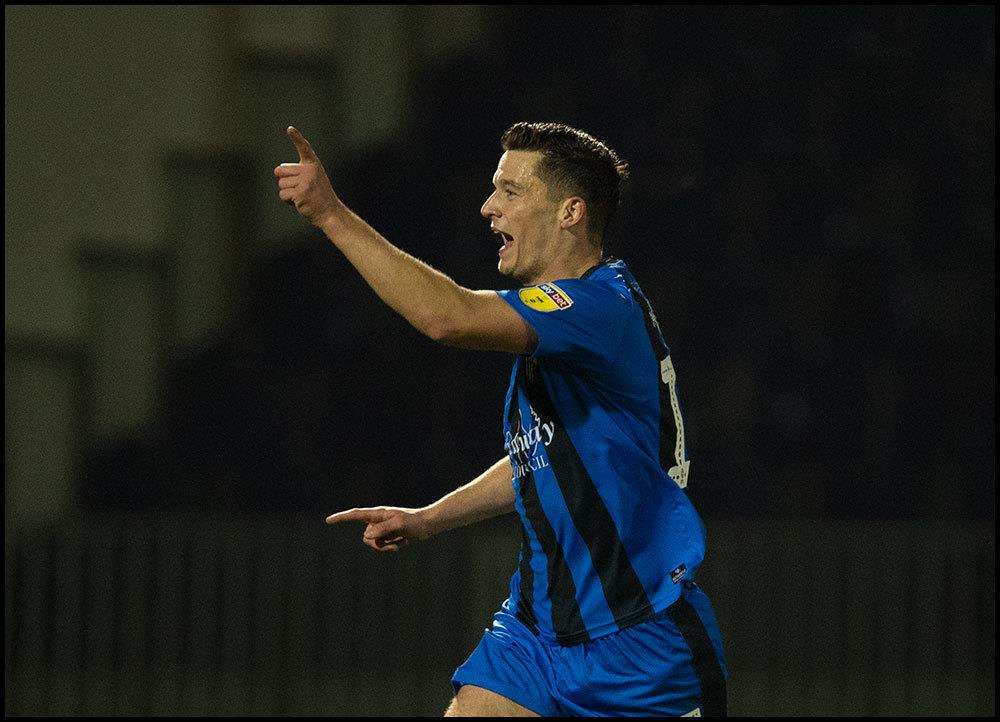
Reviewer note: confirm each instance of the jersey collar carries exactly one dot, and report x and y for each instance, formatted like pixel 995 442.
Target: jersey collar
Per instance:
pixel 590 270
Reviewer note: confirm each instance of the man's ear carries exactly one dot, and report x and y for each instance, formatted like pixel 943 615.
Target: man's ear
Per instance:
pixel 572 212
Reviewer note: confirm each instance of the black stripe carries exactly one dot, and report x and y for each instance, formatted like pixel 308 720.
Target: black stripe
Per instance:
pixel 668 430
pixel 525 611
pixel 705 663
pixel 566 618
pixel 623 591
pixel 562 589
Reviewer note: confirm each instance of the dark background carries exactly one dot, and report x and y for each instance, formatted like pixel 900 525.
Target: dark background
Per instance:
pixel 811 215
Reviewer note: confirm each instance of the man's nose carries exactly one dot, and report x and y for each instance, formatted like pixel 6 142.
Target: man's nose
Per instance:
pixel 489 210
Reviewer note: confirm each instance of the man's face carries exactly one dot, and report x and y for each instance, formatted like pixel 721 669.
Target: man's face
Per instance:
pixel 520 209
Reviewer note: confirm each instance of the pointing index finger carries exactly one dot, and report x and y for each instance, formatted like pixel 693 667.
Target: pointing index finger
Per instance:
pixel 353 515
pixel 306 154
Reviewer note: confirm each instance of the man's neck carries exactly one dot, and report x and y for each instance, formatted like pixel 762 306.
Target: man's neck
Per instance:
pixel 572 270
pixel 573 266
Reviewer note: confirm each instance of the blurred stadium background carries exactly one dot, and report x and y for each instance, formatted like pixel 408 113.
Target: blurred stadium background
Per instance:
pixel 193 379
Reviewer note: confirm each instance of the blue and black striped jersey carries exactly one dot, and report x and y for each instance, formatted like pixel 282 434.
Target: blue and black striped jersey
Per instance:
pixel 595 435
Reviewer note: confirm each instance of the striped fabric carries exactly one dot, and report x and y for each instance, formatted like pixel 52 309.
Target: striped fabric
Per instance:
pixel 593 428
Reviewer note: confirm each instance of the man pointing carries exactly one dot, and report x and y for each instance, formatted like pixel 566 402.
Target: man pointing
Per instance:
pixel 603 617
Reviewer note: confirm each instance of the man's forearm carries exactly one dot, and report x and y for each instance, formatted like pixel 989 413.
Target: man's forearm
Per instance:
pixel 489 494
pixel 427 298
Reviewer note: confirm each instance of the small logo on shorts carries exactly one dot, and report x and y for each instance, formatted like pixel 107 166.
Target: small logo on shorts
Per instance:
pixel 676 575
pixel 696 712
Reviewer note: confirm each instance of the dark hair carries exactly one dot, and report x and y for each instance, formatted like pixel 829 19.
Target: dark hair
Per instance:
pixel 574 162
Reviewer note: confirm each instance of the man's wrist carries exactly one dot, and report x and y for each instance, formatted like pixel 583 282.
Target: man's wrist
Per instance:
pixel 430 520
pixel 332 224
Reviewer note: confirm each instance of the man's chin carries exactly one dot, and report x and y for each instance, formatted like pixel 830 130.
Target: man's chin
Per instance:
pixel 510 272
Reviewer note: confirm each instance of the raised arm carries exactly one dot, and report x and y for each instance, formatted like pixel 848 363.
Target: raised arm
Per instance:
pixel 390 528
pixel 433 303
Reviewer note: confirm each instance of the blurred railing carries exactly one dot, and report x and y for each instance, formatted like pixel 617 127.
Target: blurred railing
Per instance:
pixel 197 614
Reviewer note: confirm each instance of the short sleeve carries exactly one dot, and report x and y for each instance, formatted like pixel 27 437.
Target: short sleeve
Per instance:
pixel 580 321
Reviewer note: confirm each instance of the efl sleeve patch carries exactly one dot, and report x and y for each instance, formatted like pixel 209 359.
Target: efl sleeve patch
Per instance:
pixel 545 298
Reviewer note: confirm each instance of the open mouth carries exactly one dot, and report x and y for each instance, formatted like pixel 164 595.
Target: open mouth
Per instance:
pixel 508 240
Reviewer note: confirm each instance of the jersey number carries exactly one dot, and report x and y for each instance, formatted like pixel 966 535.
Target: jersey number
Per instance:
pixel 679 472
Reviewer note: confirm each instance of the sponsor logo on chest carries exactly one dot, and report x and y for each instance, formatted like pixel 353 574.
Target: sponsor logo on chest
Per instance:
pixel 523 446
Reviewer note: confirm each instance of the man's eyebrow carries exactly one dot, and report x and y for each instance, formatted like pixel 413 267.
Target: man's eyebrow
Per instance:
pixel 512 184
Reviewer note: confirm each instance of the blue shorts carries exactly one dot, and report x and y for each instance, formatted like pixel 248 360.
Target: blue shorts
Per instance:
pixel 670 664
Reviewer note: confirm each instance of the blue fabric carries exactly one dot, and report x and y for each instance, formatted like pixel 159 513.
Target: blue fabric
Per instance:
pixel 601 372
pixel 643 670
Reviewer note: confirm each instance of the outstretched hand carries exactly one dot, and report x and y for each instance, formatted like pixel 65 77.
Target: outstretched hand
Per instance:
pixel 305 184
pixel 389 528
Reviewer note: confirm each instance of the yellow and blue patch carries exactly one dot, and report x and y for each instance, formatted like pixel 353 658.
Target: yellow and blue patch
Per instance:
pixel 545 297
